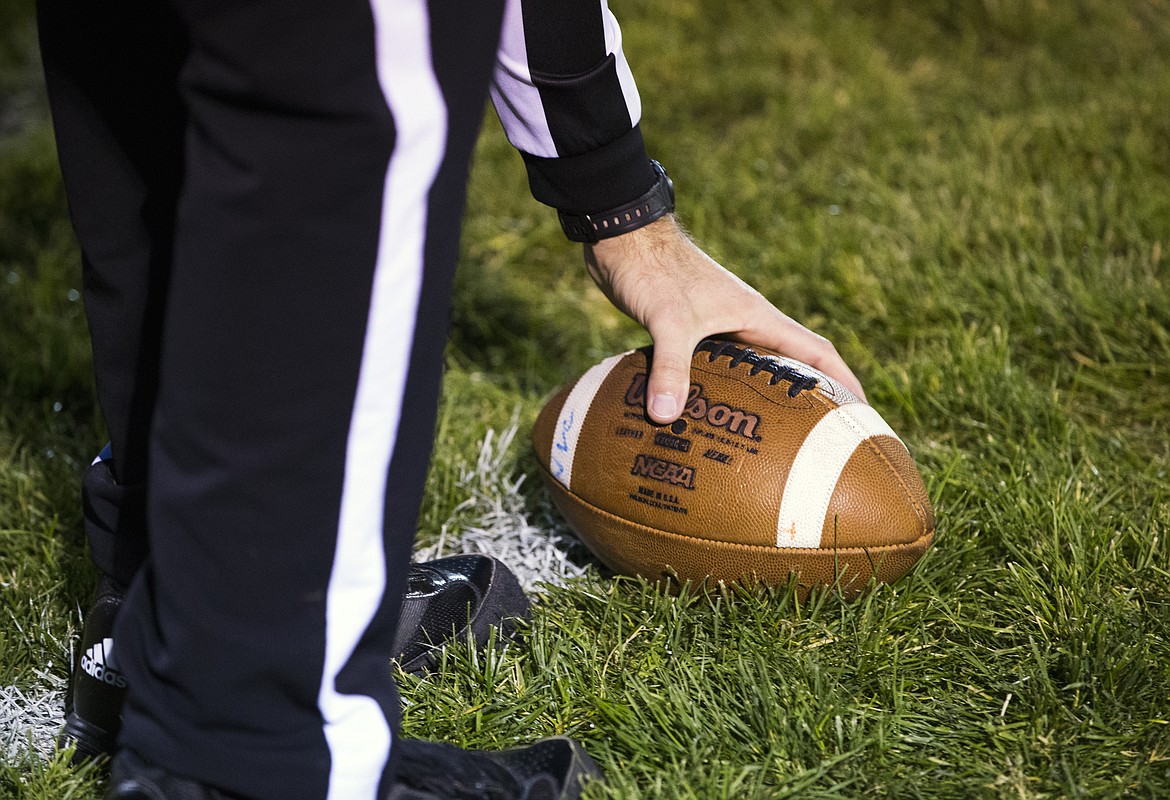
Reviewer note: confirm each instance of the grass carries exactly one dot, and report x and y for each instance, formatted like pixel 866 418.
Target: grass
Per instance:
pixel 973 200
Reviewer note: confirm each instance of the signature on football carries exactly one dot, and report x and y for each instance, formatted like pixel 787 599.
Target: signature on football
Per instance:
pixel 561 444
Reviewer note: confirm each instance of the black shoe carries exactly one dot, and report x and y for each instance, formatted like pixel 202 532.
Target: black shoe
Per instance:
pixel 93 703
pixel 444 600
pixel 551 769
pixel 132 778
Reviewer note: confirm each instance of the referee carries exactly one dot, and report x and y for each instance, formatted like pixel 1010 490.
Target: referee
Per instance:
pixel 267 196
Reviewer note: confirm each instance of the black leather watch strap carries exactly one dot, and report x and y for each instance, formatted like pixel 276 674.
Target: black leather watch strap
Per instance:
pixel 590 228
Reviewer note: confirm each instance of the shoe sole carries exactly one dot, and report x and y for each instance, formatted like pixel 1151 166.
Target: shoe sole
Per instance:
pixel 90 741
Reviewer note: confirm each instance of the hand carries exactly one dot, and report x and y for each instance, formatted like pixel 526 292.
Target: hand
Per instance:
pixel 661 279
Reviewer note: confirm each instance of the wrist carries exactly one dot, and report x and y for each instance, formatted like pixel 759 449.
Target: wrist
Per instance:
pixel 653 205
pixel 660 235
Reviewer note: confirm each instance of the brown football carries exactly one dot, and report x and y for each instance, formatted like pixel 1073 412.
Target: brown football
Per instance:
pixel 773 469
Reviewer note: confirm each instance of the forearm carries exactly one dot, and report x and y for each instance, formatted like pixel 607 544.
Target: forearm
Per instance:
pixel 567 100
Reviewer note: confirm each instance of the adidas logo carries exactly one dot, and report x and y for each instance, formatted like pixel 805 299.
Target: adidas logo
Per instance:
pixel 98 663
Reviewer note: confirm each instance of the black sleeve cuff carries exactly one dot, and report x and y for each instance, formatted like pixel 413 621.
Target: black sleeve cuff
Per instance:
pixel 596 181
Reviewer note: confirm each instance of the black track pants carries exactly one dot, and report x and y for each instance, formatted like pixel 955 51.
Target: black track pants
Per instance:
pixel 267 197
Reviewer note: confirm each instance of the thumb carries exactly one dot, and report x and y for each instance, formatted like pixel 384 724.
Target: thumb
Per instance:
pixel 670 377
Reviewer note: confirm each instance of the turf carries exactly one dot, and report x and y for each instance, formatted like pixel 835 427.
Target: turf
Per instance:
pixel 973 200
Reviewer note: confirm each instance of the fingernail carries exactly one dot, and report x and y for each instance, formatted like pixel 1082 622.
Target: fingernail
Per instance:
pixel 663 406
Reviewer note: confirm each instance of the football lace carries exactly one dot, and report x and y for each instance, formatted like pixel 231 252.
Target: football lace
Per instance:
pixel 797 381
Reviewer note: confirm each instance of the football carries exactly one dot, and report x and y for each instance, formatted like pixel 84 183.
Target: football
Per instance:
pixel 773 469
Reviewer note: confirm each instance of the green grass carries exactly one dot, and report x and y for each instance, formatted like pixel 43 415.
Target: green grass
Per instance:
pixel 973 200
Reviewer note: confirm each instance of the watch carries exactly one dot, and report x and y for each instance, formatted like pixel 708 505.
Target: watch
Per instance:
pixel 590 228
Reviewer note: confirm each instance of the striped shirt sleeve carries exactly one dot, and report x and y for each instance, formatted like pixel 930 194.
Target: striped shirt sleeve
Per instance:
pixel 568 102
